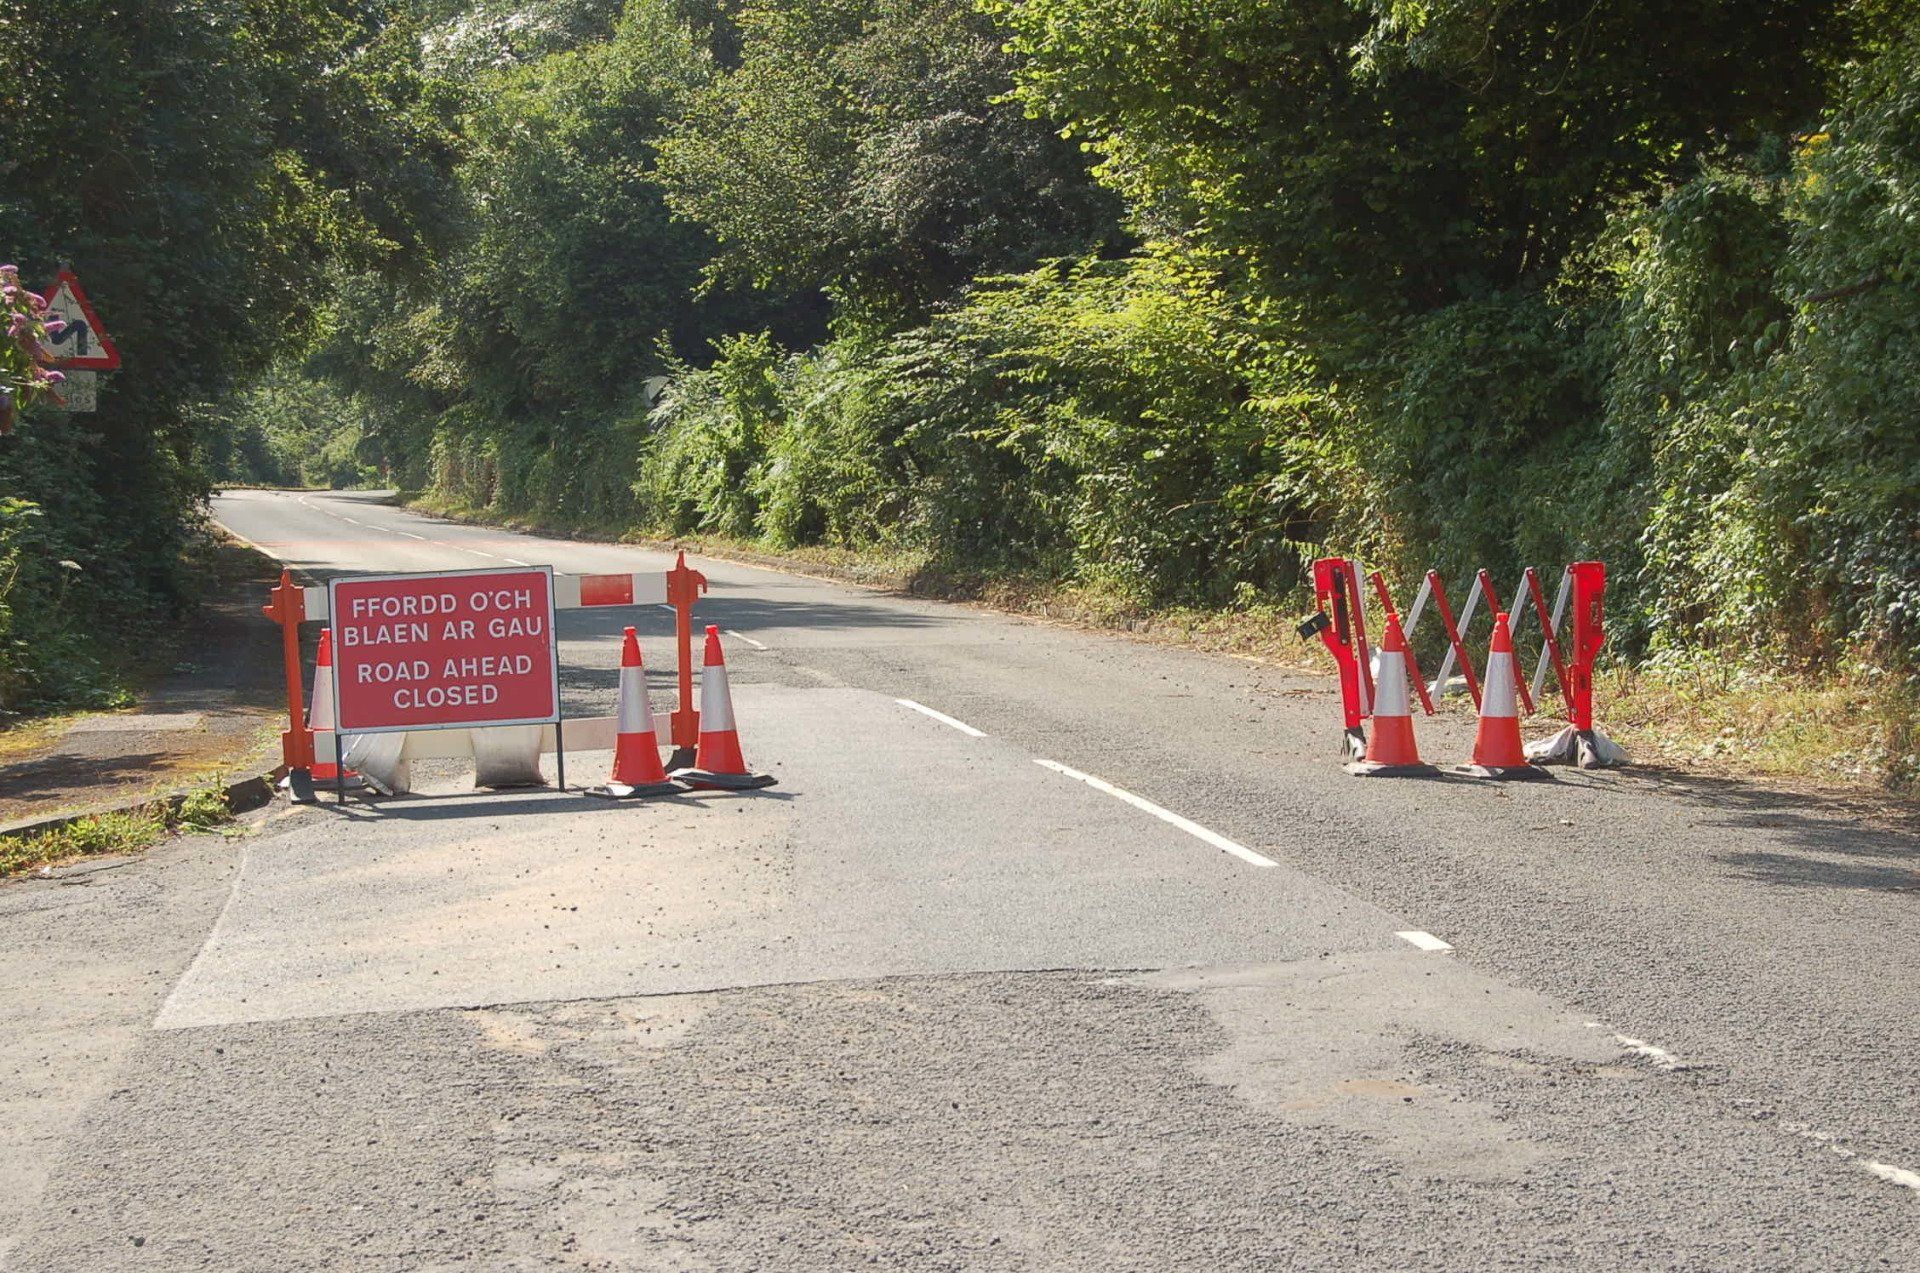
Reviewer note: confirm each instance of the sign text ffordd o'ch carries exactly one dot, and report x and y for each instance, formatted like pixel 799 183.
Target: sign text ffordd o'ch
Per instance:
pixel 462 648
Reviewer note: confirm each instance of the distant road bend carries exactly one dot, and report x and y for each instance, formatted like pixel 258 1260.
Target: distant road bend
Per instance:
pixel 1051 950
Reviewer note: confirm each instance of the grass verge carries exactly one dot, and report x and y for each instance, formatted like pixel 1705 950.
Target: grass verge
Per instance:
pixel 127 831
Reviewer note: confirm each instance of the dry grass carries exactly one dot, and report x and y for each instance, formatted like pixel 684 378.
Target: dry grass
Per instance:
pixel 118 832
pixel 1852 728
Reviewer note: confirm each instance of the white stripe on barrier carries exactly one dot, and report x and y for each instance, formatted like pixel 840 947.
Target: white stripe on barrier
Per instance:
pixel 1439 687
pixel 649 589
pixel 1559 613
pixel 1417 608
pixel 583 733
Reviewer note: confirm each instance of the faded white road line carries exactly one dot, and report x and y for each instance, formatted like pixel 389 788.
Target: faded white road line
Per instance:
pixel 740 636
pixel 1894 1175
pixel 1659 1056
pixel 1424 940
pixel 1168 816
pixel 942 717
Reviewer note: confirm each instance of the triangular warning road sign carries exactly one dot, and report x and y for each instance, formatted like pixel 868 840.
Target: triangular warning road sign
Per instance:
pixel 83 344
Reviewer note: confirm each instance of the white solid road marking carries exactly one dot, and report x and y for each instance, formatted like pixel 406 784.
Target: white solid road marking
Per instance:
pixel 1425 941
pixel 1194 829
pixel 739 636
pixel 942 717
pixel 1894 1175
pixel 515 561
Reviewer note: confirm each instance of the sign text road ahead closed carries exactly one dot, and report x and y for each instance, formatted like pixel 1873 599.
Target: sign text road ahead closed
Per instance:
pixel 464 648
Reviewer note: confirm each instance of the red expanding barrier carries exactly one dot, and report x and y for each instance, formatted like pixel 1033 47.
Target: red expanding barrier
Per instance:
pixel 1340 623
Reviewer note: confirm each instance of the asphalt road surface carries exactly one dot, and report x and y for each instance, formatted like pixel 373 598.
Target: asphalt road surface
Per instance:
pixel 1050 951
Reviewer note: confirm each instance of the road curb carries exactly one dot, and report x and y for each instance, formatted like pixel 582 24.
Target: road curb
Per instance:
pixel 243 796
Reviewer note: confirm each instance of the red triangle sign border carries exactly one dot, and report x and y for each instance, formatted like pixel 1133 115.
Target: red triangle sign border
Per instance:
pixel 108 358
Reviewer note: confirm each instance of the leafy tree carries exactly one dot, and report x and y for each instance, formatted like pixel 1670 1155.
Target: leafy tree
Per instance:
pixel 1370 160
pixel 866 146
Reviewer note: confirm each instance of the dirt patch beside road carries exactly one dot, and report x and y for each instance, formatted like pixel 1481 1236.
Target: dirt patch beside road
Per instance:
pixel 213 714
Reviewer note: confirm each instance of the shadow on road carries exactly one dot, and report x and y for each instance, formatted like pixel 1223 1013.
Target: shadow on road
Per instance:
pixel 505 804
pixel 1807 840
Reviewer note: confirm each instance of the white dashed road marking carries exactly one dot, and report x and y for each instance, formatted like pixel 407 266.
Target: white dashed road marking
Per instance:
pixel 1425 941
pixel 739 636
pixel 1192 828
pixel 1895 1175
pixel 942 717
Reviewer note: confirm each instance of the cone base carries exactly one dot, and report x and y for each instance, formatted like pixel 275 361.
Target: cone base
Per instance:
pixel 1374 769
pixel 702 779
pixel 1354 744
pixel 1505 773
pixel 622 791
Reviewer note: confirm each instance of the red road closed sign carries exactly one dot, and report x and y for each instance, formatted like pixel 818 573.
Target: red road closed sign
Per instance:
pixel 435 651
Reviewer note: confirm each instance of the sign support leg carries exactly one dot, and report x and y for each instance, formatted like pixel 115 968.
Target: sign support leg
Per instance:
pixel 339 768
pixel 560 752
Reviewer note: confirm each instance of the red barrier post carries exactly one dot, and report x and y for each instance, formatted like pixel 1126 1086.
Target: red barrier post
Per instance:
pixel 289 609
pixel 1589 634
pixel 1359 633
pixel 1330 590
pixel 684 584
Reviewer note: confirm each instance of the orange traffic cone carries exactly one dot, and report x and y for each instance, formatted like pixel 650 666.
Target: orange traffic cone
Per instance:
pixel 1497 749
pixel 320 715
pixel 718 763
pixel 636 751
pixel 1391 752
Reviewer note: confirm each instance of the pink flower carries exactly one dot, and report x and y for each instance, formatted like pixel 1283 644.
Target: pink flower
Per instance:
pixel 55 326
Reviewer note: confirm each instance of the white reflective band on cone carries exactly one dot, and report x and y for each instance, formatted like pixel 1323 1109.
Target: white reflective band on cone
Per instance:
pixel 1496 696
pixel 1390 691
pixel 321 715
pixel 716 705
pixel 636 714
